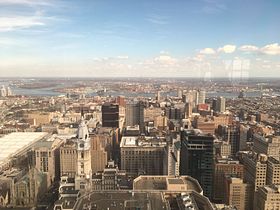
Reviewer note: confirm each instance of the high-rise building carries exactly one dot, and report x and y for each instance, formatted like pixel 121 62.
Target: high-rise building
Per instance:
pixel 225 167
pixel 221 102
pixel 237 193
pixel 142 155
pixel 47 160
pixel 110 115
pixel 273 171
pixel 3 91
pixel 197 158
pixel 231 134
pixel 267 145
pixel 68 159
pixel 174 113
pixel 261 170
pixel 172 158
pixel 99 156
pixel 267 198
pixel 9 91
pixel 188 109
pixel 179 93
pixel 134 114
pixel 158 98
pixel 201 97
pixel 255 170
pixel 215 104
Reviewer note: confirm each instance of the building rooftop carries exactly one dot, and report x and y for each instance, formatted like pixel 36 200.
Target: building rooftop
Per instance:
pixel 15 143
pixel 272 189
pixel 116 200
pixel 227 161
pixel 142 141
pixel 65 203
pixel 167 183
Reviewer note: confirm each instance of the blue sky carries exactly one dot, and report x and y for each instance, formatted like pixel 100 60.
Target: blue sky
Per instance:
pixel 203 38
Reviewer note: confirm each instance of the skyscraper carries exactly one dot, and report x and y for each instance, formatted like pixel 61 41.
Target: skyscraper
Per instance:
pixel 134 114
pixel 3 91
pixel 110 115
pixel 98 154
pixel 221 102
pixel 219 105
pixel 255 170
pixel 142 155
pixel 231 134
pixel 197 158
pixel 188 109
pixel 201 97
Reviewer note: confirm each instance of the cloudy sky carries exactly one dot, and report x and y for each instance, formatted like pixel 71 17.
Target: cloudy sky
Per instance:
pixel 158 38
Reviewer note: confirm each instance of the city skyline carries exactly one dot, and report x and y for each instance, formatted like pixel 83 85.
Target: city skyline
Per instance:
pixel 207 38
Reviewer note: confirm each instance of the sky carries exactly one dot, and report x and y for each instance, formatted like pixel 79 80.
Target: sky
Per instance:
pixel 140 38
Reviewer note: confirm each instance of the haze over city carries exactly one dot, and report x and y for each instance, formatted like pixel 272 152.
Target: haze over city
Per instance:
pixel 205 38
pixel 139 105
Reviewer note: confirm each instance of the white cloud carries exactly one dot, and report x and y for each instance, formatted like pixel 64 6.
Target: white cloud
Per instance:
pixel 19 22
pixel 227 48
pixel 157 19
pixel 271 49
pixel 122 57
pixel 196 58
pixel 207 51
pixel 26 2
pixel 165 59
pixel 248 48
pixel 111 59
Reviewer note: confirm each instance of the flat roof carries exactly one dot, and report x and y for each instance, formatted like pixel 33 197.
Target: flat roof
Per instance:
pixel 14 143
pixel 142 141
pixel 161 183
pixel 130 141
pixel 116 200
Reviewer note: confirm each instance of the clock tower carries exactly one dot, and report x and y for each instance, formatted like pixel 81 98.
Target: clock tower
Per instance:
pixel 83 175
